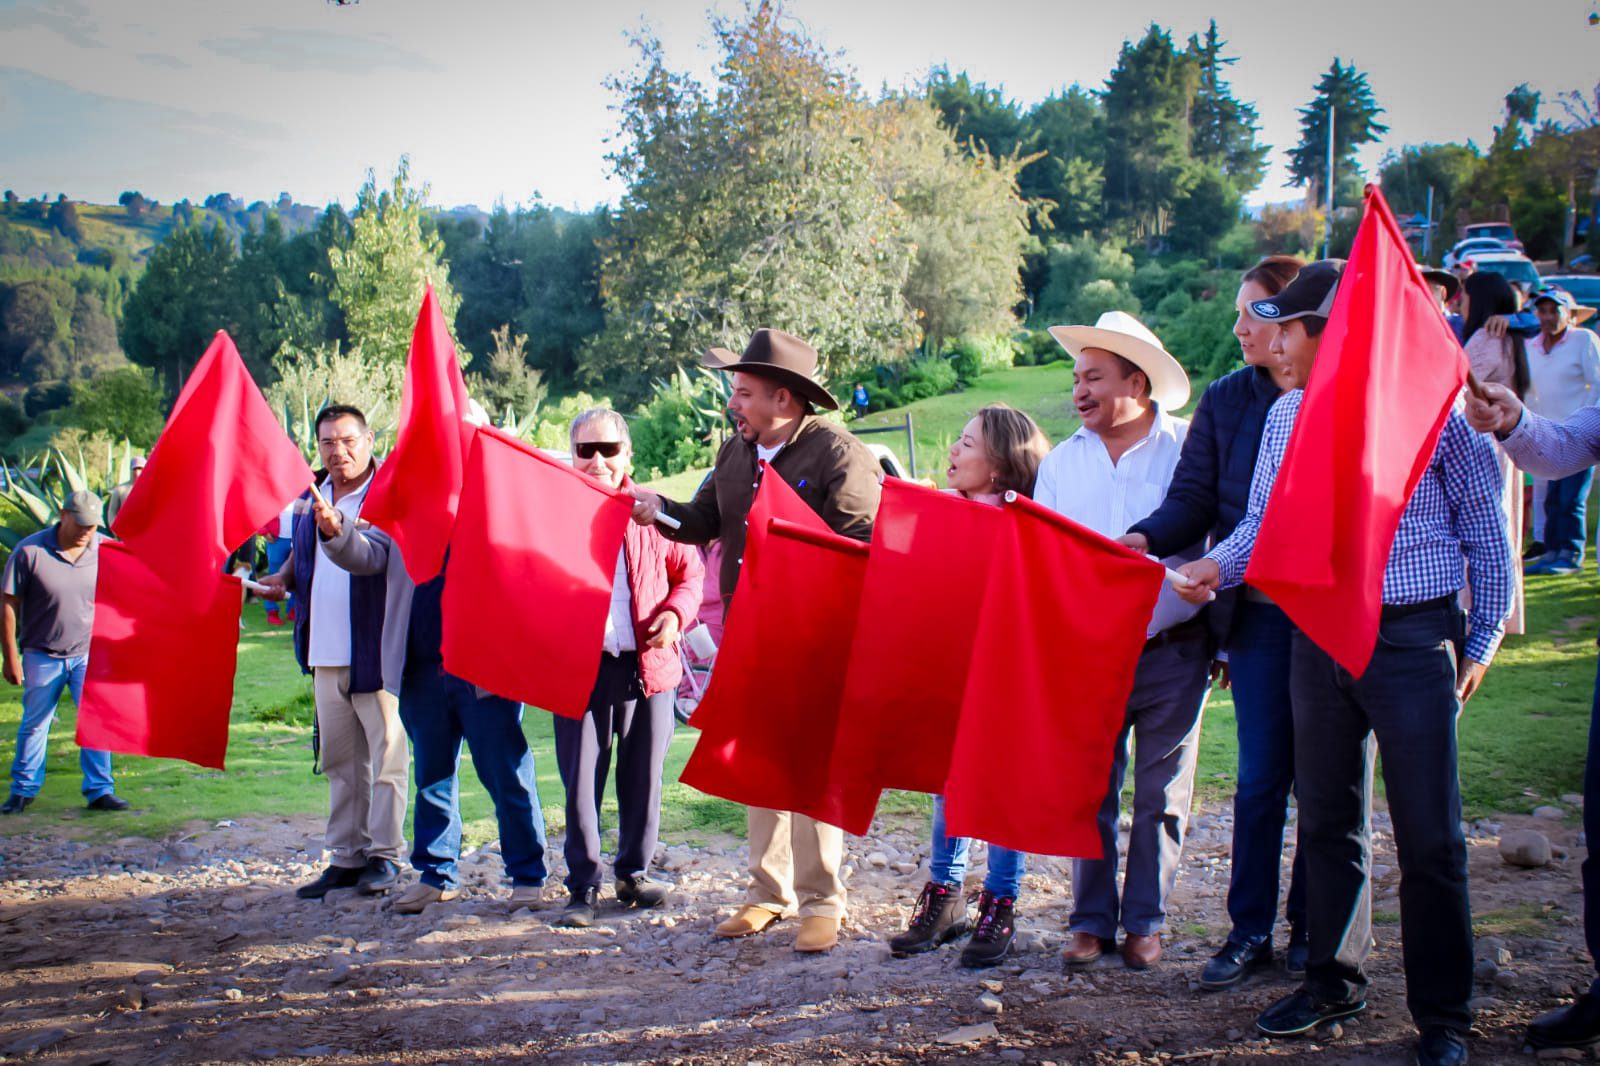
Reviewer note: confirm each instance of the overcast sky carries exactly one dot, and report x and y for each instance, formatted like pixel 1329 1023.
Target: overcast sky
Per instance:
pixel 499 99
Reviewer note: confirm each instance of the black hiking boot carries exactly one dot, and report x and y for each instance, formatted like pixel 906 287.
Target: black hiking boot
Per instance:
pixel 940 917
pixel 992 936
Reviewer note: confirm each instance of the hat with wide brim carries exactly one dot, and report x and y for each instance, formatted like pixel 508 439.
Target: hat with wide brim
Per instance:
pixel 1580 314
pixel 781 358
pixel 1435 276
pixel 1120 332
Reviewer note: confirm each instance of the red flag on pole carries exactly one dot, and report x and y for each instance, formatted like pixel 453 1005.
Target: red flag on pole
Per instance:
pixel 415 492
pixel 532 560
pixel 1386 375
pixel 160 675
pixel 1064 620
pixel 919 611
pixel 768 720
pixel 221 468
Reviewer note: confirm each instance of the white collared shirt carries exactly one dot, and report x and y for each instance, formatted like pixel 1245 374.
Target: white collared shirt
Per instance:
pixel 619 619
pixel 328 643
pixel 1079 480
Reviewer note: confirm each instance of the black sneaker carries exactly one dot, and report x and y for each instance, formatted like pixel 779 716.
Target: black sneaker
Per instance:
pixel 1299 1013
pixel 331 878
pixel 15 803
pixel 109 802
pixel 579 911
pixel 1575 1026
pixel 639 891
pixel 1441 1047
pixel 992 936
pixel 1234 963
pixel 940 917
pixel 378 877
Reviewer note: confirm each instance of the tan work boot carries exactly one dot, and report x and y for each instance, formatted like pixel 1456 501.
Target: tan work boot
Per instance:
pixel 817 933
pixel 529 896
pixel 747 920
pixel 416 899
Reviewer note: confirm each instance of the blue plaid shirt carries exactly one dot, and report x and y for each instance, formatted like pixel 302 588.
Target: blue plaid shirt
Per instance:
pixel 1452 528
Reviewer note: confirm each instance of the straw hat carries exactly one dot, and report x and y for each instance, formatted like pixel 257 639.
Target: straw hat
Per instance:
pixel 1120 332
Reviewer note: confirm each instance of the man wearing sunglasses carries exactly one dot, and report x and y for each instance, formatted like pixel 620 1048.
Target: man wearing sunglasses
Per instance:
pixel 794 860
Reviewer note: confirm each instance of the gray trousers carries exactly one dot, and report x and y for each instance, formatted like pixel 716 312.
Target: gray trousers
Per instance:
pixel 1163 721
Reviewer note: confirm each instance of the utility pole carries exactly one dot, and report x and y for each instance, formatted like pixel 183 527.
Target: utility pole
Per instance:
pixel 1327 229
pixel 1427 231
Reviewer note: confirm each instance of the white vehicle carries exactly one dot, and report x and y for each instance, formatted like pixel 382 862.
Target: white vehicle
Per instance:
pixel 1466 248
pixel 1514 266
pixel 889 461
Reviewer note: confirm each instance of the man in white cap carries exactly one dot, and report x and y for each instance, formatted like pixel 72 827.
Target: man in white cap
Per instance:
pixel 1108 475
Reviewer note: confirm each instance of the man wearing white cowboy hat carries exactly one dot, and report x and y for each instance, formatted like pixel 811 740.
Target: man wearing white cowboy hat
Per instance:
pixel 1108 475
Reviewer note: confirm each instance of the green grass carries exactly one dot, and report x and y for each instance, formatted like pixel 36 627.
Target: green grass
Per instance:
pixel 1522 736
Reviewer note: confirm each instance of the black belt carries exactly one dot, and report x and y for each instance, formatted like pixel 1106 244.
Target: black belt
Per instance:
pixel 1394 611
pixel 1194 627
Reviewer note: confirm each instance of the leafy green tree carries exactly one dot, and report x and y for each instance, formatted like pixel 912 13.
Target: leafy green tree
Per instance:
pixel 1355 110
pixel 1147 103
pixel 981 118
pixel 1086 277
pixel 1069 129
pixel 1209 209
pixel 280 293
pixel 378 275
pixel 63 218
pixel 561 305
pixel 120 403
pixel 35 330
pixel 183 297
pixel 1224 127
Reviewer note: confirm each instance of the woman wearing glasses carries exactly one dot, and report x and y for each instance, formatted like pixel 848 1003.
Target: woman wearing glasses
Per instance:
pixel 655 594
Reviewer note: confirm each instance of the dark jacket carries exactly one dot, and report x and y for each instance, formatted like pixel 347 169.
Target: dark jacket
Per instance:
pixel 831 470
pixel 367 596
pixel 1210 489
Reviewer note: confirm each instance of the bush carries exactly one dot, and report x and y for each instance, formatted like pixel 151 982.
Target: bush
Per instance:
pixel 1076 265
pixel 1201 338
pixel 121 403
pixel 923 378
pixel 667 438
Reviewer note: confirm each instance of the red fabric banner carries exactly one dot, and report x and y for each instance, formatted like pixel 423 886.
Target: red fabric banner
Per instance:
pixel 415 492
pixel 1064 617
pixel 919 611
pixel 220 469
pixel 769 718
pixel 1387 373
pixel 532 559
pixel 160 674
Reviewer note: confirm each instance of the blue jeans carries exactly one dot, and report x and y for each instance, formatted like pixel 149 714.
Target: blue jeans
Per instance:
pixel 1258 664
pixel 278 549
pixel 948 863
pixel 1565 503
pixel 43 678
pixel 440 710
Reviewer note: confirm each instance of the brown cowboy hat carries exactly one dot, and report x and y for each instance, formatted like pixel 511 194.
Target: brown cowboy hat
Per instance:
pixel 780 357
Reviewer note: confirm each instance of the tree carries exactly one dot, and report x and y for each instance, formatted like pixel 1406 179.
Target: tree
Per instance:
pixel 751 206
pixel 1202 215
pixel 134 202
pixel 1147 99
pixel 1069 129
pixel 378 275
pixel 981 118
pixel 1345 89
pixel 280 294
pixel 1224 127
pixel 121 403
pixel 63 218
pixel 182 299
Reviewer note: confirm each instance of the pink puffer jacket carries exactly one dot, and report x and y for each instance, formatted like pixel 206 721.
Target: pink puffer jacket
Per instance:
pixel 662 575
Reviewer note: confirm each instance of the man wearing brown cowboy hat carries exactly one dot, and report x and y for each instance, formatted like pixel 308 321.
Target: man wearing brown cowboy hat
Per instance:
pixel 794 860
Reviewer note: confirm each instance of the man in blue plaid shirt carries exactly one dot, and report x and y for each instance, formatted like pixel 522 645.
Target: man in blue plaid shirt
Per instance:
pixel 1427 663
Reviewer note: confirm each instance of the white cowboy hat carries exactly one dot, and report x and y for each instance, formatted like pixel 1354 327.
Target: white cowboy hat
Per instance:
pixel 1120 332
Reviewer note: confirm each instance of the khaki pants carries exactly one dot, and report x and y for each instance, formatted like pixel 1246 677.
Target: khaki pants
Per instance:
pixel 792 854
pixel 366 760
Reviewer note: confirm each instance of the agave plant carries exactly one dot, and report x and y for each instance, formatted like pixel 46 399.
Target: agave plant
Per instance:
pixel 708 393
pixel 37 498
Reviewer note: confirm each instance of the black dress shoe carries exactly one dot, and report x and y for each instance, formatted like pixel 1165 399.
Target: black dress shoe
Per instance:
pixel 15 803
pixel 1299 1013
pixel 1577 1025
pixel 331 878
pixel 639 891
pixel 1441 1047
pixel 378 877
pixel 109 802
pixel 1234 963
pixel 579 911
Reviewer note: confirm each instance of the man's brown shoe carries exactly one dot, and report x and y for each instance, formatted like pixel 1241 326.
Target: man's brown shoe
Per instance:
pixel 747 920
pixel 1141 950
pixel 817 933
pixel 1086 948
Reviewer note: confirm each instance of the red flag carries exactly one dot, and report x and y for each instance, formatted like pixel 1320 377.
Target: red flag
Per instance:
pixel 532 561
pixel 221 468
pixel 415 492
pixel 1064 621
pixel 920 604
pixel 160 675
pixel 1386 375
pixel 768 720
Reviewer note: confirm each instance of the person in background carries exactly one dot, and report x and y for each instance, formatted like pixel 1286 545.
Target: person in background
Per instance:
pixel 859 399
pixel 48 622
pixel 999 451
pixel 1210 492
pixel 1564 368
pixel 279 537
pixel 655 593
pixel 119 494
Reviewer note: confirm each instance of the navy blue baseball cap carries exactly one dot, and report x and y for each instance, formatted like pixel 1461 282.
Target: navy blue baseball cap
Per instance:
pixel 1310 293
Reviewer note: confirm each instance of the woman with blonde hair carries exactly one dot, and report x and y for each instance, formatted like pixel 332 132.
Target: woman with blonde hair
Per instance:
pixel 999 451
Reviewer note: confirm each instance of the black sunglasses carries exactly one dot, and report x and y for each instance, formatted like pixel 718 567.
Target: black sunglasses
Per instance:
pixel 587 449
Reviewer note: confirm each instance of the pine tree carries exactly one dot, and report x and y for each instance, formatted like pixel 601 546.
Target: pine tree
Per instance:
pixel 1224 127
pixel 1355 123
pixel 1147 99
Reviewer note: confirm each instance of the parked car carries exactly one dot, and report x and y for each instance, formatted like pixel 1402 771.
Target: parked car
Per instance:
pixel 1500 231
pixel 1585 288
pixel 1463 249
pixel 1516 268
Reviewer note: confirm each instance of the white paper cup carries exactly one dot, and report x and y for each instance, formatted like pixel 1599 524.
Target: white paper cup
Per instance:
pixel 700 641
